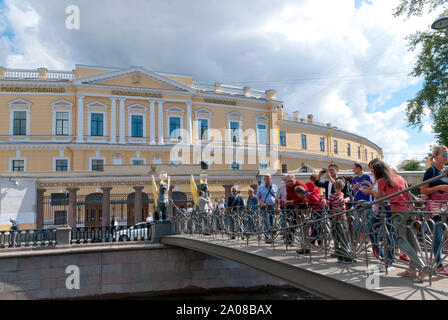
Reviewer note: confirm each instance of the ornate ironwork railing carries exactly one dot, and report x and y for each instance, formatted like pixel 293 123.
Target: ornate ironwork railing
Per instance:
pixel 370 230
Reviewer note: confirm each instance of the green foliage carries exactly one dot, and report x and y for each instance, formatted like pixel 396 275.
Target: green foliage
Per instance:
pixel 413 165
pixel 431 65
pixel 440 125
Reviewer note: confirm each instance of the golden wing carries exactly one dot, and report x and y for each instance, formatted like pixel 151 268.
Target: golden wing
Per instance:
pixel 168 185
pixel 194 190
pixel 155 191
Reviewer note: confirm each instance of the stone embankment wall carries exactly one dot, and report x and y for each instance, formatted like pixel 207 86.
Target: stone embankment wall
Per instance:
pixel 118 269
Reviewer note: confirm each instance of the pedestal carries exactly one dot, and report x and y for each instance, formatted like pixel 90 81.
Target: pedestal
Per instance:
pixel 160 229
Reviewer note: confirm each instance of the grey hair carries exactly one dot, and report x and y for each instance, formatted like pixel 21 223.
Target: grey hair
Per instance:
pixel 234 188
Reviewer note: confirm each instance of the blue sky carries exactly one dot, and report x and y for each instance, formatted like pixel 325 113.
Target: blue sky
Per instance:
pixel 252 43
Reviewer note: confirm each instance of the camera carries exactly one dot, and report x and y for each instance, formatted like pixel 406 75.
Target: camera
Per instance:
pixel 324 171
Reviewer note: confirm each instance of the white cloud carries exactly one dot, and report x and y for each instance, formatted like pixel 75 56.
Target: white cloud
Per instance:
pixel 326 56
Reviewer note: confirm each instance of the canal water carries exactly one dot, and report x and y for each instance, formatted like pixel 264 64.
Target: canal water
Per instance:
pixel 263 293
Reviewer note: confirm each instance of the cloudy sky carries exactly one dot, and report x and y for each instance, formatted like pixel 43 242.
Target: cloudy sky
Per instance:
pixel 345 61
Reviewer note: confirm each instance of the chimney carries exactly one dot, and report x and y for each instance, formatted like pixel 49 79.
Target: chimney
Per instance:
pixel 218 87
pixel 310 118
pixel 296 116
pixel 246 91
pixel 271 94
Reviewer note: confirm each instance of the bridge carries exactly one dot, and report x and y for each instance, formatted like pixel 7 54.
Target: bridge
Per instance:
pixel 321 275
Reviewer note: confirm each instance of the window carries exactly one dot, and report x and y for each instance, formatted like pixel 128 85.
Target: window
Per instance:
pixel 335 143
pixel 61 165
pixel 175 128
pixel 62 121
pixel 18 165
pixel 235 166
pixel 284 168
pixel 303 141
pixel 203 127
pixel 304 169
pixel 19 123
pixel 365 151
pixel 234 131
pixel 59 199
pixel 137 126
pixel 349 151
pixel 137 162
pixel 263 166
pixel 175 162
pixel 371 154
pixel 262 134
pixel 97 164
pixel 283 138
pixel 97 124
pixel 359 152
pixel 60 217
pixel 322 144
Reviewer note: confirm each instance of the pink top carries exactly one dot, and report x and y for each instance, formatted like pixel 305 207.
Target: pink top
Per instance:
pixel 399 185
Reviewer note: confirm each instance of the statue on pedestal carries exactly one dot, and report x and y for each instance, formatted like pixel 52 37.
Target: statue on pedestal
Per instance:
pixel 161 201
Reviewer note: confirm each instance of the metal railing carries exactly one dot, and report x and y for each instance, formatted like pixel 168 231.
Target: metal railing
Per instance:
pixel 368 231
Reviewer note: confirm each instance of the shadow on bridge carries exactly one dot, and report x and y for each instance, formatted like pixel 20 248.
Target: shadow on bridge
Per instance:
pixel 321 275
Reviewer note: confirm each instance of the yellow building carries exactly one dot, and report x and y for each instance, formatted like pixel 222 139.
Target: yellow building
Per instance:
pixel 66 122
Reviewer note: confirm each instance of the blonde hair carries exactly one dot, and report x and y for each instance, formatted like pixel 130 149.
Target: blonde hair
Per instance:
pixel 339 184
pixel 300 190
pixel 437 150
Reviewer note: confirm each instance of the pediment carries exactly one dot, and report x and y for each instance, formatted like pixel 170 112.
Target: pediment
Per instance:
pixel 134 78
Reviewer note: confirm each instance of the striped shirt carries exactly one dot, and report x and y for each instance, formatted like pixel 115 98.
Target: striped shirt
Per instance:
pixel 337 202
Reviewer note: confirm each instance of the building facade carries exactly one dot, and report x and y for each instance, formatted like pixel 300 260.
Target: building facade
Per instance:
pixel 65 123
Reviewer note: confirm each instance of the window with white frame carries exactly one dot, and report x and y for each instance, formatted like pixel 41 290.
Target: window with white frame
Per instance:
pixel 62 118
pixel 175 162
pixel 349 150
pixel 283 138
pixel 137 121
pixel 19 119
pixel 203 129
pixel 322 144
pixel 175 116
pixel 97 165
pixel 138 162
pixel 97 115
pixel 18 165
pixel 262 129
pixel 61 165
pixel 262 165
pixel 202 124
pixel 303 141
pixel 335 144
pixel 234 125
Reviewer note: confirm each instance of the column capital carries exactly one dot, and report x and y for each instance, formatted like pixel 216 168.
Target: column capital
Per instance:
pixel 106 188
pixel 161 101
pixel 41 190
pixel 113 98
pixel 153 100
pixel 81 95
pixel 72 189
pixel 122 98
pixel 138 188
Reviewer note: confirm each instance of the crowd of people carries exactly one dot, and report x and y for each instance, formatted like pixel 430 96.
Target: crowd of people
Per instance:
pixel 293 200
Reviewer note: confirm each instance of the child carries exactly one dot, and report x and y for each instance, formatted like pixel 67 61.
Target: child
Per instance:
pixel 339 223
pixel 314 202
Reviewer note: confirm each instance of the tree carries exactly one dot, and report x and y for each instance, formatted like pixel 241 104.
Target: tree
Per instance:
pixel 432 65
pixel 412 165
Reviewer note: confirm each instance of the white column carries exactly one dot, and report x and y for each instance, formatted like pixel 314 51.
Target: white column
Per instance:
pixel 152 122
pixel 189 129
pixel 113 120
pixel 80 127
pixel 122 122
pixel 161 121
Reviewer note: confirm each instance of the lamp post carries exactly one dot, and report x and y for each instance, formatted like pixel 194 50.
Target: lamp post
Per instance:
pixel 440 23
